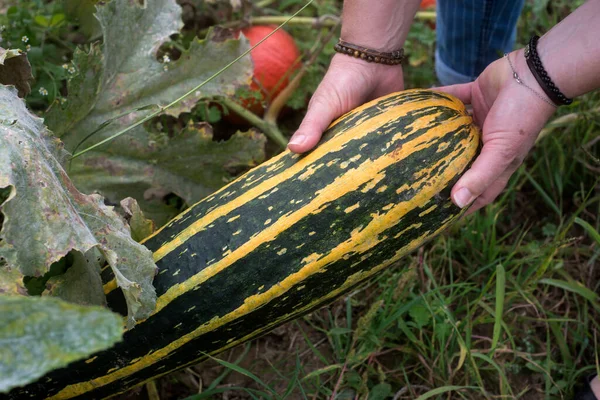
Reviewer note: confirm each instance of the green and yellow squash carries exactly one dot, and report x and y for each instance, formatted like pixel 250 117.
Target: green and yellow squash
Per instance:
pixel 286 238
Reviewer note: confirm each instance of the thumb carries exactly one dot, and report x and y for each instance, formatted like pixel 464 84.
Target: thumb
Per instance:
pixel 322 109
pixel 496 159
pixel 462 91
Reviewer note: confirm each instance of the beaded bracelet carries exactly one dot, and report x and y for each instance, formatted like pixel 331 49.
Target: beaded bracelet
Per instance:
pixel 369 55
pixel 541 76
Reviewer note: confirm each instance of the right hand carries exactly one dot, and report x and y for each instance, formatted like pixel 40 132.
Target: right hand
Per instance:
pixel 348 83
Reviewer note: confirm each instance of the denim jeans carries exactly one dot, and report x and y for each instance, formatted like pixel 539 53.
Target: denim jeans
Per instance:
pixel 471 34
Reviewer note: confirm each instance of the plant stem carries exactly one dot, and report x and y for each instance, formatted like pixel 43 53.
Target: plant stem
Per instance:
pixel 264 3
pixel 269 129
pixel 152 390
pixel 192 91
pixel 315 22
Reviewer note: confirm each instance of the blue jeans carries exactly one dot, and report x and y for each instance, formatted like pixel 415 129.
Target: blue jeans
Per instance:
pixel 471 34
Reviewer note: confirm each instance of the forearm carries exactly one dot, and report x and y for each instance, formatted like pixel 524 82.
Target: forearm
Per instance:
pixel 570 51
pixel 379 24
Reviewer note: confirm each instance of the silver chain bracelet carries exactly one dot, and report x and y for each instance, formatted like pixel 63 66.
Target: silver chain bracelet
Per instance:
pixel 520 82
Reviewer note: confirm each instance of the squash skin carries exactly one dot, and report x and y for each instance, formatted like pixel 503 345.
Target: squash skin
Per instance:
pixel 286 238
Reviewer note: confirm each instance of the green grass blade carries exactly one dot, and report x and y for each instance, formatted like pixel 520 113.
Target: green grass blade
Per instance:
pixel 321 371
pixel 589 229
pixel 443 389
pixel 210 394
pixel 245 372
pixel 312 347
pixel 500 293
pixel 226 372
pixel 573 287
pixel 543 193
pixel 505 383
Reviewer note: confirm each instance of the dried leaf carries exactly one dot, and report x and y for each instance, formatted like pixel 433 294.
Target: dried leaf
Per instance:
pixel 15 70
pixel 45 217
pixel 142 162
pixel 38 335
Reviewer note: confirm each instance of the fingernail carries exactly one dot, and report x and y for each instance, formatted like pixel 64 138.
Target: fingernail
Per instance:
pixel 297 139
pixel 463 197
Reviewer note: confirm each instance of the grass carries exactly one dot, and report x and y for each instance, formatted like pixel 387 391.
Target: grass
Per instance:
pixel 504 305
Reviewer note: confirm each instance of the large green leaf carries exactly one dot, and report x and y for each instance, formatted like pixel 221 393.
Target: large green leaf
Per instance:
pixel 39 334
pixel 189 164
pixel 141 163
pixel 44 218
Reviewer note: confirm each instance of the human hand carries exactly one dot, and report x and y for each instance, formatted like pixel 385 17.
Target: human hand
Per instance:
pixel 511 117
pixel 349 82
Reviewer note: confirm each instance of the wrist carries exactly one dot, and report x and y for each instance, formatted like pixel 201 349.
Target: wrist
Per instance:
pixel 570 51
pixel 386 43
pixel 537 94
pixel 557 71
pixel 380 25
pixel 348 61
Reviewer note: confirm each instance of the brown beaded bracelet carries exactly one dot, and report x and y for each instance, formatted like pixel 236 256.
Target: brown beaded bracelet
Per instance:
pixel 369 55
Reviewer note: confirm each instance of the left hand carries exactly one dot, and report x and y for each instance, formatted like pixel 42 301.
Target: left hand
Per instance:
pixel 511 117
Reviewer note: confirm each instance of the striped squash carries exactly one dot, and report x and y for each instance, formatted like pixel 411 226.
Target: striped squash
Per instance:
pixel 286 238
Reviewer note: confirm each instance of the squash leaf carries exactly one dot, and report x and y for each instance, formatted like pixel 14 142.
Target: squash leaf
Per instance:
pixel 141 227
pixel 44 218
pixel 120 82
pixel 40 334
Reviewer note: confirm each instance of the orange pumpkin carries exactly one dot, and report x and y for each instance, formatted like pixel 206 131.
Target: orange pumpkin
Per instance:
pixel 275 61
pixel 426 4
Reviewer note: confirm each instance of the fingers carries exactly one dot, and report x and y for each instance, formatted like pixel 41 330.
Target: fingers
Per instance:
pixel 348 83
pixel 322 109
pixel 462 91
pixel 491 193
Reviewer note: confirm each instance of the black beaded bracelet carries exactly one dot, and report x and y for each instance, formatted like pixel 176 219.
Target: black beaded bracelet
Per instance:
pixel 539 72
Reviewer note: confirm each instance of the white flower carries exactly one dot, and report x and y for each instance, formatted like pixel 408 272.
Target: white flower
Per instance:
pixel 25 39
pixel 166 59
pixel 2 28
pixel 63 100
pixel 65 66
pixel 43 91
pixel 28 47
pixel 72 70
pixel 166 68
